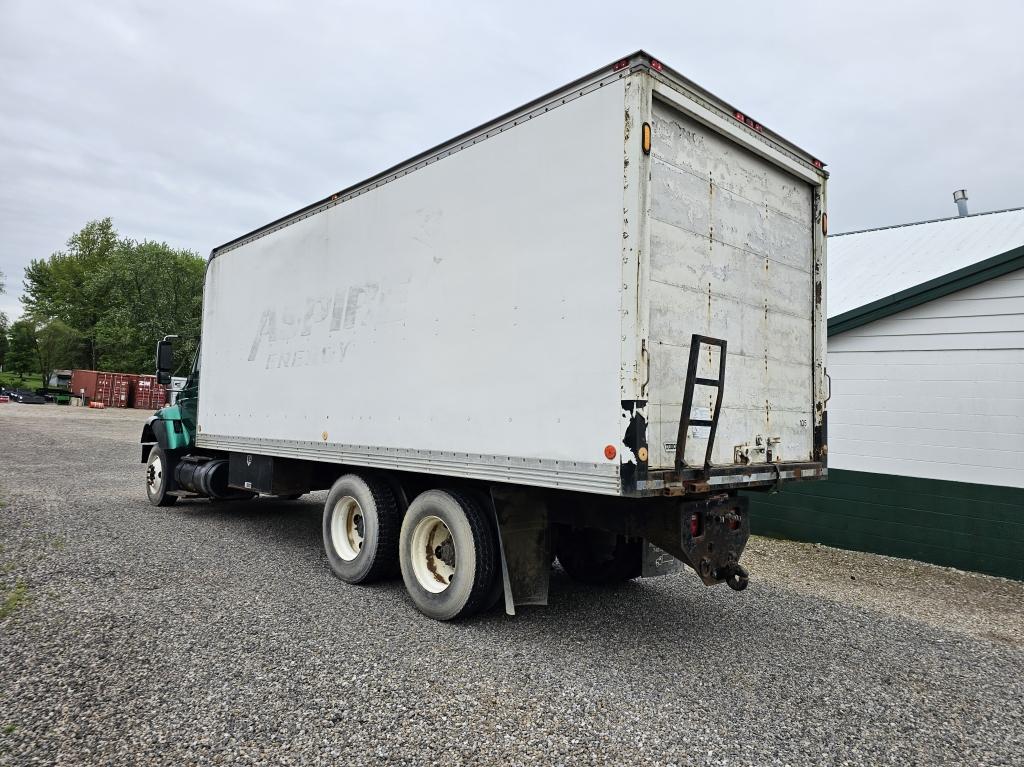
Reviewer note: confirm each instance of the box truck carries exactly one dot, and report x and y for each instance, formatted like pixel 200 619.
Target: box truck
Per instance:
pixel 576 332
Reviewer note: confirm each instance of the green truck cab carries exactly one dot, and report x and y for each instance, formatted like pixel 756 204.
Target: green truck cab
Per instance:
pixel 169 433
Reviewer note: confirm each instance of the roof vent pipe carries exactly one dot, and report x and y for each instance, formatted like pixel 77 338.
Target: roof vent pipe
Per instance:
pixel 960 198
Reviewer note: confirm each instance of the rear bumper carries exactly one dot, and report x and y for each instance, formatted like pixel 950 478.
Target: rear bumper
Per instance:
pixel 764 475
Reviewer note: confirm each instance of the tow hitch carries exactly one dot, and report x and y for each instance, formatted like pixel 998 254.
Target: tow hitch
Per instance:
pixel 737 577
pixel 714 533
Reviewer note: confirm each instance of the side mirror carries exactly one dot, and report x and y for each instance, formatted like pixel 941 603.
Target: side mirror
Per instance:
pixel 164 362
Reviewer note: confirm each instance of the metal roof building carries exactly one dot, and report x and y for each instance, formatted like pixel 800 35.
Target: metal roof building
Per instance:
pixel 926 416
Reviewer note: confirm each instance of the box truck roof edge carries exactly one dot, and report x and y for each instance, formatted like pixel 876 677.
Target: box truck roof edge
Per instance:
pixel 579 87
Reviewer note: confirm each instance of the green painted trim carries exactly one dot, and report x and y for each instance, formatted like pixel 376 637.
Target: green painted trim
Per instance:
pixel 175 440
pixel 969 276
pixel 957 524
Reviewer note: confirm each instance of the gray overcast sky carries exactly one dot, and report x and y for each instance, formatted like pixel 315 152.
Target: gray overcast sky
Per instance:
pixel 195 122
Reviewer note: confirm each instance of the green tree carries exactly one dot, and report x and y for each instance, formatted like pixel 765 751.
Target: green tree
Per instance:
pixel 153 290
pixel 3 322
pixel 114 298
pixel 55 346
pixel 68 287
pixel 22 356
pixel 4 344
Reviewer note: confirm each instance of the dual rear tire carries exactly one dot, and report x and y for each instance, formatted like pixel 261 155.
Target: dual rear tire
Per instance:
pixel 445 544
pixel 360 528
pixel 446 547
pixel 449 555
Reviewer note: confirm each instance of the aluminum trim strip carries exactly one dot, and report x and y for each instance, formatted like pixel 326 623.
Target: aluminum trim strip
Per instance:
pixel 738 480
pixel 765 477
pixel 563 475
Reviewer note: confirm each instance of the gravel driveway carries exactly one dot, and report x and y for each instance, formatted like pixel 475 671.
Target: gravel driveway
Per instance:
pixel 215 634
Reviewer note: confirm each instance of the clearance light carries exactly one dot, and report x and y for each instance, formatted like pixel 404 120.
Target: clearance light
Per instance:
pixel 748 121
pixel 824 224
pixel 817 163
pixel 646 142
pixel 620 65
pixel 656 65
pixel 609 452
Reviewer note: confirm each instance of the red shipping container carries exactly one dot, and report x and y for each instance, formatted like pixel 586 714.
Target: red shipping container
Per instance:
pixel 113 389
pixel 83 383
pixel 149 395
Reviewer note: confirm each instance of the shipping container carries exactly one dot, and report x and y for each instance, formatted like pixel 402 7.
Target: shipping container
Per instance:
pixel 83 383
pixel 148 394
pixel 114 389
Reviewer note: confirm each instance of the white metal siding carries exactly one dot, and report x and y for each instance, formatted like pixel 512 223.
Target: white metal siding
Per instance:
pixel 471 306
pixel 936 391
pixel 731 258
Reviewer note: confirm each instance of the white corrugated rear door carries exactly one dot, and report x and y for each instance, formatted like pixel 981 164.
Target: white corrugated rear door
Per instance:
pixel 730 258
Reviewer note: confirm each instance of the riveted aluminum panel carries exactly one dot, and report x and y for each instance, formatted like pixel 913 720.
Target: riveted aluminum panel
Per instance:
pixel 731 257
pixel 471 306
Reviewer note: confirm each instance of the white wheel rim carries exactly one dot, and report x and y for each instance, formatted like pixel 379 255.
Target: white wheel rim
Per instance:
pixel 433 554
pixel 347 528
pixel 154 475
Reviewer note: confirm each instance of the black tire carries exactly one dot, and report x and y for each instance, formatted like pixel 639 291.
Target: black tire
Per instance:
pixel 362 547
pixel 475 558
pixel 598 557
pixel 159 470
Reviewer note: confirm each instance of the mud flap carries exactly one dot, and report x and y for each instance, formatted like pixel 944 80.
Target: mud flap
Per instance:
pixel 521 519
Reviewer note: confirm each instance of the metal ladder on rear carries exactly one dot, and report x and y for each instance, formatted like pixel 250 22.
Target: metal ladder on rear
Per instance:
pixel 686 419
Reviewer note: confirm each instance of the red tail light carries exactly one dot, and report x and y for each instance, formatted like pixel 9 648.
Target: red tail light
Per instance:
pixel 695 525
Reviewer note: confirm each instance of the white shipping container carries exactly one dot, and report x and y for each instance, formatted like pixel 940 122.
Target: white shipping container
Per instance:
pixel 517 305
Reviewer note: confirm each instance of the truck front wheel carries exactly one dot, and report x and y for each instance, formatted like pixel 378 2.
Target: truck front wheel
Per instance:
pixel 159 469
pixel 449 555
pixel 360 529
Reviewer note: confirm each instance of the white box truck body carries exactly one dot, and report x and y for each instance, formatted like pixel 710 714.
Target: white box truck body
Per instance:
pixel 519 305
